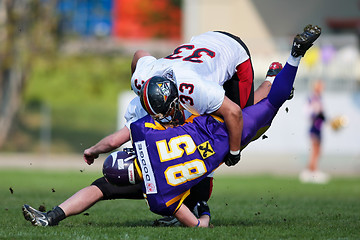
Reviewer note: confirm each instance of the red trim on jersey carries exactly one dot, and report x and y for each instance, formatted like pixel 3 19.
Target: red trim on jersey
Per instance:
pixel 146 100
pixel 245 75
pixel 211 186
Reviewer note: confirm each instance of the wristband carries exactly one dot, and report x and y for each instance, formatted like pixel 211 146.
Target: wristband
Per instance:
pixel 235 152
pixel 206 213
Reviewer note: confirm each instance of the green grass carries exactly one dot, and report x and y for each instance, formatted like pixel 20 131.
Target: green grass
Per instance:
pixel 246 207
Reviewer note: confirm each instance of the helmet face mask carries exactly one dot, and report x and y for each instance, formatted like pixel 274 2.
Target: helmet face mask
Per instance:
pixel 159 97
pixel 173 116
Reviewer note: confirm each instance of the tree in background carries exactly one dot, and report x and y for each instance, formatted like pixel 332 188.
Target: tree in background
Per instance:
pixel 27 30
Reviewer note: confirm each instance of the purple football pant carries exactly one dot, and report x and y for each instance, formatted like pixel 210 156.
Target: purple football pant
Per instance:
pixel 258 117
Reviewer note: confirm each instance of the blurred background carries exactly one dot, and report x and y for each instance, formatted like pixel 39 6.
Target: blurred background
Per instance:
pixel 65 73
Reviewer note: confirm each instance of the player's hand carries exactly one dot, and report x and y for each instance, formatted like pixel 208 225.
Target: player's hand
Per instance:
pixel 202 209
pixel 89 158
pixel 231 160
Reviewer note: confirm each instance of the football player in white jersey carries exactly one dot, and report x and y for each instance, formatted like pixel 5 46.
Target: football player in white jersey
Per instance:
pixel 213 75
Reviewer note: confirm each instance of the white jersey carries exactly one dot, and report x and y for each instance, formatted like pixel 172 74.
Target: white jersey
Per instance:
pixel 134 111
pixel 199 68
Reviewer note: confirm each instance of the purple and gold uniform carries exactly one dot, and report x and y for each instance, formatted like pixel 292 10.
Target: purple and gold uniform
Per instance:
pixel 175 159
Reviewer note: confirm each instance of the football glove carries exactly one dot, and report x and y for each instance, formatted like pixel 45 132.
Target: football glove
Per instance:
pixel 231 160
pixel 202 209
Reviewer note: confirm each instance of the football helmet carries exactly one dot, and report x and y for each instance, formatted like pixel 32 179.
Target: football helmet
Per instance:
pixel 119 169
pixel 159 97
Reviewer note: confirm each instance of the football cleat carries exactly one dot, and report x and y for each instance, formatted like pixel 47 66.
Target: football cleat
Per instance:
pixel 274 69
pixel 169 221
pixel 303 41
pixel 36 217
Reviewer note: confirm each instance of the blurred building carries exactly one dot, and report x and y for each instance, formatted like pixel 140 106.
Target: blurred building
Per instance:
pixel 123 19
pixel 85 18
pixel 268 27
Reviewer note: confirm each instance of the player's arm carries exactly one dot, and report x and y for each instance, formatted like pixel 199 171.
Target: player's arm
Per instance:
pixel 232 115
pixel 107 144
pixel 134 111
pixel 138 54
pixel 186 217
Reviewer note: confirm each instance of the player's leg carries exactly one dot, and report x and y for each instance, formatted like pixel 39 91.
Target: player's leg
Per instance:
pixel 257 118
pixel 315 152
pixel 77 203
pixel 82 200
pixel 200 192
pixel 283 82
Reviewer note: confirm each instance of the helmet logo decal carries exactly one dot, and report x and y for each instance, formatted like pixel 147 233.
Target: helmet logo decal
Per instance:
pixel 118 168
pixel 165 89
pixel 120 164
pixel 113 156
pixel 169 74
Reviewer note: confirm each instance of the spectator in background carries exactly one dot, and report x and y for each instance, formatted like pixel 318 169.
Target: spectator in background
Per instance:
pixel 317 117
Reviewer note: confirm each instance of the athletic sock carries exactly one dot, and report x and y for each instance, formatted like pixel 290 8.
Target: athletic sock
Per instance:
pixel 56 215
pixel 282 85
pixel 270 79
pixel 294 61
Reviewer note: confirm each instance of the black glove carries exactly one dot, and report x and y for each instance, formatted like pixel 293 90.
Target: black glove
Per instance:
pixel 231 160
pixel 202 209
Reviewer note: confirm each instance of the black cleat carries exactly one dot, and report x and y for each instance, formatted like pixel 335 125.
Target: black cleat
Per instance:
pixel 36 217
pixel 303 41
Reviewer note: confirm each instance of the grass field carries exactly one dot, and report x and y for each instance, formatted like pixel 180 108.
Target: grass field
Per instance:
pixel 242 207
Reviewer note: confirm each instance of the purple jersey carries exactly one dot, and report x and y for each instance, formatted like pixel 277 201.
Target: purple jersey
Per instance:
pixel 176 159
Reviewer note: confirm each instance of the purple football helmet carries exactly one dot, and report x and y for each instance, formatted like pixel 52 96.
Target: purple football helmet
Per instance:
pixel 119 169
